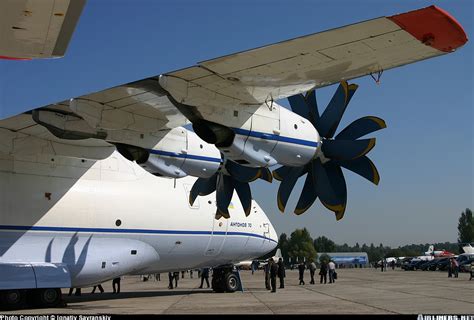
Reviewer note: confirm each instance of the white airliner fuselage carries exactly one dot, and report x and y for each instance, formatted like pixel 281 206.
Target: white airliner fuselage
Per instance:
pixel 73 222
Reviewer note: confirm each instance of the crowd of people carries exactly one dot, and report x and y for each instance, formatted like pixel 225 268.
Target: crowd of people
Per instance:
pixel 273 269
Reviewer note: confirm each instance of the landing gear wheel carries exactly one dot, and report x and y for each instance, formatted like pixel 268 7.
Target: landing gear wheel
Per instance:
pixel 48 298
pixel 231 282
pixel 12 299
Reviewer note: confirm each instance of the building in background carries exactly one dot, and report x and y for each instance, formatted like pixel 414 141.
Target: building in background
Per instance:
pixel 348 259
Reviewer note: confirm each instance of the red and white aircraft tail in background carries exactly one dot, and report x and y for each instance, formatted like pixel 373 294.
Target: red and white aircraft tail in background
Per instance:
pixel 438 253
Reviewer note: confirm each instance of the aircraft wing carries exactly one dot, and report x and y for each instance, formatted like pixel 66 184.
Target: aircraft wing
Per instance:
pixel 135 114
pixel 139 113
pixel 37 28
pixel 294 66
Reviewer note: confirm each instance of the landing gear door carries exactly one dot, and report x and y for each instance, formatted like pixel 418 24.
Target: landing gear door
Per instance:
pixel 219 233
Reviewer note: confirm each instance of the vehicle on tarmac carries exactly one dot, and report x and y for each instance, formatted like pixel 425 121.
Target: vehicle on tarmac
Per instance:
pixel 414 264
pixel 465 265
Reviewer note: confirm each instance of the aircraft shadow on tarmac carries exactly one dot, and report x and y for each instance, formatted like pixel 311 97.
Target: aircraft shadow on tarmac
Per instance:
pixel 127 295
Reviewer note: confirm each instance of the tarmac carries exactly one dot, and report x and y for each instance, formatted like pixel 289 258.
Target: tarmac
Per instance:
pixel 357 291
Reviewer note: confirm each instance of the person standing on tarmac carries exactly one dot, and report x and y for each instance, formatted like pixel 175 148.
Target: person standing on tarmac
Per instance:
pixel 170 278
pixel 99 287
pixel 312 270
pixel 273 274
pixel 204 276
pixel 281 273
pixel 116 285
pixel 301 268
pixel 176 278
pixel 323 272
pixel 266 269
pixel 332 270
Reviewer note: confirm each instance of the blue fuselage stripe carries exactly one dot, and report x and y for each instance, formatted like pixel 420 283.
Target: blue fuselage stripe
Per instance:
pixel 184 156
pixel 239 131
pixel 141 231
pixel 269 136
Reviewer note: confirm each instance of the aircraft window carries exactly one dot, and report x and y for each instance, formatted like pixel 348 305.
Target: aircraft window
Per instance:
pixel 296 126
pixel 118 222
pixel 133 252
pixel 103 265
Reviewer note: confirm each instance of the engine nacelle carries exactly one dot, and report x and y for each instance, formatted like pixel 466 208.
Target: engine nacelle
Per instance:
pixel 178 154
pixel 272 136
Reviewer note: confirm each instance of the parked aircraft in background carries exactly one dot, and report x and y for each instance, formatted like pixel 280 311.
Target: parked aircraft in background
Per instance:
pixel 468 249
pixel 104 184
pixel 438 253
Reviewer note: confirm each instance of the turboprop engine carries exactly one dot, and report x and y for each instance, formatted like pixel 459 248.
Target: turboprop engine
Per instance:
pixel 181 152
pixel 178 154
pixel 271 135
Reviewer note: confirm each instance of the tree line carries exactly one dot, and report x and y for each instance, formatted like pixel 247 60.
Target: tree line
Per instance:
pixel 301 246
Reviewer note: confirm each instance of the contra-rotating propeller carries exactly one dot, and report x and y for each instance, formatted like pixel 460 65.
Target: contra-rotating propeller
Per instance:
pixel 324 174
pixel 232 176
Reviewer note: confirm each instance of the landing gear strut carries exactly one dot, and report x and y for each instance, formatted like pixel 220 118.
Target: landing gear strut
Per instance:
pixel 225 279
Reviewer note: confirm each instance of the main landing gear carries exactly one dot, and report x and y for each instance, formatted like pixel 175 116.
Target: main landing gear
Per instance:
pixel 226 279
pixel 38 298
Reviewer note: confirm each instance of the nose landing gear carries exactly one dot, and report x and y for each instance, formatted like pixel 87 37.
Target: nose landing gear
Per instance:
pixel 226 279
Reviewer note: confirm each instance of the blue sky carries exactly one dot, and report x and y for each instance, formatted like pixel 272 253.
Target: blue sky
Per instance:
pixel 425 156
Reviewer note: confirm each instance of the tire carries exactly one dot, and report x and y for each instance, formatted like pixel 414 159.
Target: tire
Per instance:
pixel 48 298
pixel 12 299
pixel 231 283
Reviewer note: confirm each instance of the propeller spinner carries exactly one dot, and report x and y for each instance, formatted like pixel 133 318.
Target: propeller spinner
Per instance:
pixel 324 174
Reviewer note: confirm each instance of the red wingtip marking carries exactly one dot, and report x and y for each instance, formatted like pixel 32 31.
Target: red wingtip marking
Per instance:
pixel 434 27
pixel 13 58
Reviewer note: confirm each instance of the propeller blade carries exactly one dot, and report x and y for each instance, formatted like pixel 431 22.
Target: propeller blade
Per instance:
pixel 225 190
pixel 220 214
pixel 202 187
pixel 347 149
pixel 266 174
pixel 286 186
pixel 313 107
pixel 364 167
pixel 242 173
pixel 306 106
pixel 332 115
pixel 361 127
pixel 308 194
pixel 245 195
pixel 280 173
pixel 299 105
pixel 331 187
